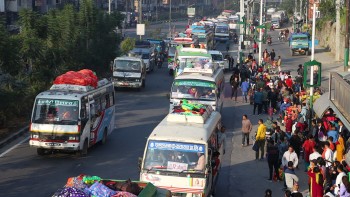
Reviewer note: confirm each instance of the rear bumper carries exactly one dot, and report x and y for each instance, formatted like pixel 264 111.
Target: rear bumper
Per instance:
pixel 127 84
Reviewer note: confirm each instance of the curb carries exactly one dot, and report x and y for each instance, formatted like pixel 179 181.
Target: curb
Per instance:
pixel 14 136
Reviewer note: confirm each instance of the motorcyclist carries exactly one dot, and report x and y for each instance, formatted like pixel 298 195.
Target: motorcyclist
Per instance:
pixel 235 37
pixel 269 40
pixel 281 34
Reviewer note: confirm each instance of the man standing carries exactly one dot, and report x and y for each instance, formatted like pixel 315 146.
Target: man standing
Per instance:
pixel 290 176
pixel 258 99
pixel 273 97
pixel 308 147
pixel 288 156
pixel 260 139
pixel 245 89
pixel 343 130
pixel 327 154
pixel 246 129
pixel 234 85
pixel 272 55
pixel 272 159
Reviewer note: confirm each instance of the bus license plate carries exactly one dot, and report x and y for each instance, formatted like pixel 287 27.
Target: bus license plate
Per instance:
pixel 53 144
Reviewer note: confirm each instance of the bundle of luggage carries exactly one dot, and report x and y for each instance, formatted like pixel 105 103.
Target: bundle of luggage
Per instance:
pixel 187 108
pixel 94 186
pixel 83 77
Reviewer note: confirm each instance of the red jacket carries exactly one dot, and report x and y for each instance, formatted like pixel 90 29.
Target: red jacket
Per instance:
pixel 308 149
pixel 289 125
pixel 289 82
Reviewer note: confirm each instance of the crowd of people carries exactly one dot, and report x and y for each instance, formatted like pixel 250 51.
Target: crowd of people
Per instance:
pixel 292 137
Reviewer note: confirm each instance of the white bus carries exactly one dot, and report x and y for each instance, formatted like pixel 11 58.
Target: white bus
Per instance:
pixel 203 86
pixel 179 154
pixel 72 118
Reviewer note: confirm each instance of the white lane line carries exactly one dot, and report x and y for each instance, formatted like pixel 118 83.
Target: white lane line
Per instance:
pixel 13 147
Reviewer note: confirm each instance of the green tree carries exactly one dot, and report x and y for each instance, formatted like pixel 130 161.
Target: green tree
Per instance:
pixel 127 45
pixel 288 6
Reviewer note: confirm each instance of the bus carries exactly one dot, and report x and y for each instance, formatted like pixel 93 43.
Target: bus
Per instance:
pixel 186 56
pixel 199 85
pixel 222 32
pixel 204 35
pixel 179 153
pixel 72 118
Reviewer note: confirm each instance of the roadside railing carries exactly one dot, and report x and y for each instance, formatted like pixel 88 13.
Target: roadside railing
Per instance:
pixel 339 94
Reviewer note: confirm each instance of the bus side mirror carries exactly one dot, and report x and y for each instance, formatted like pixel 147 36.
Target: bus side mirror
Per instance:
pixel 139 163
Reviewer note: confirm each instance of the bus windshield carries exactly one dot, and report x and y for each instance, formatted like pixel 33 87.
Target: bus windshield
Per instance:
pixel 175 157
pixel 193 89
pixel 216 57
pixel 127 66
pixel 56 111
pixel 221 29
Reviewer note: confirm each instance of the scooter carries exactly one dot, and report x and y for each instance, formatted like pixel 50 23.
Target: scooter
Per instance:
pixel 159 62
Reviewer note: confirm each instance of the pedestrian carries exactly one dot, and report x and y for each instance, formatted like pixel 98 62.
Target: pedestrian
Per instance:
pixel 289 125
pixel 260 139
pixel 327 154
pixel 265 99
pixel 344 187
pixel 234 85
pixel 340 148
pixel 338 180
pixel 344 130
pixel 258 99
pixel 268 193
pixel 282 148
pixel 295 191
pixel 334 133
pixel 246 129
pixel 290 155
pixel 316 187
pixel 222 139
pixel 290 176
pixel 273 97
pixel 272 55
pixel 272 159
pixel 266 55
pixel 245 89
pixel 255 47
pixel 279 64
pixel 308 149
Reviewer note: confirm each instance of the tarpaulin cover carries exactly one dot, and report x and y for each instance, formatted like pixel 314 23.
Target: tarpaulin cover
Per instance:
pixel 83 77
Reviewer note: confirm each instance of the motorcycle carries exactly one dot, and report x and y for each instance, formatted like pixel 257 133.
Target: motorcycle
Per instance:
pixel 159 62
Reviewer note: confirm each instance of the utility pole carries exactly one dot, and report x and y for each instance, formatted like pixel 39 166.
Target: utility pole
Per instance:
pixel 109 6
pixel 337 31
pixel 170 31
pixel 260 32
pixel 346 51
pixel 313 54
pixel 140 11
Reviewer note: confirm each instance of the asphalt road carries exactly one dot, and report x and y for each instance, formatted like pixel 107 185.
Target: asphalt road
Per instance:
pixel 137 113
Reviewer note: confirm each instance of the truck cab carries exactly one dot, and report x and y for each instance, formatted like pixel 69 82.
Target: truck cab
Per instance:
pixel 299 43
pixel 129 72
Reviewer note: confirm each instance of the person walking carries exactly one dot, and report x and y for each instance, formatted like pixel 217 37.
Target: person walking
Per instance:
pixel 272 55
pixel 308 148
pixel 340 148
pixel 258 100
pixel 234 85
pixel 260 140
pixel 316 180
pixel 246 129
pixel 279 64
pixel 290 176
pixel 272 159
pixel 245 89
pixel 273 97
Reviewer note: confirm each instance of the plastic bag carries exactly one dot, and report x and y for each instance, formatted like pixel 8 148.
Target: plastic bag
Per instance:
pixel 100 190
pixel 70 192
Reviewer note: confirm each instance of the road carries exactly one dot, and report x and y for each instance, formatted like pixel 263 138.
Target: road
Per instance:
pixel 137 113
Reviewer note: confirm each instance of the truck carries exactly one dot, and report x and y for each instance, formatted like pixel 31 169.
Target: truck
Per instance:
pixel 299 43
pixel 129 71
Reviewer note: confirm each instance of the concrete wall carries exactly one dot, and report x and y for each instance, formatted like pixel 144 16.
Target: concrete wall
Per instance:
pixel 326 37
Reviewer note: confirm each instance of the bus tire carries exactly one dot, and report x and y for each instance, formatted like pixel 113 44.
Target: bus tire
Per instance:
pixel 83 152
pixel 104 138
pixel 40 151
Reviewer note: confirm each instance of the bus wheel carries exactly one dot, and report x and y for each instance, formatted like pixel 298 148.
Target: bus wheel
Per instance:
pixel 40 151
pixel 84 150
pixel 104 138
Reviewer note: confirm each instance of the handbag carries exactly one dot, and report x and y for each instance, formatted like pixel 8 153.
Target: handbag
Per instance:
pixel 255 146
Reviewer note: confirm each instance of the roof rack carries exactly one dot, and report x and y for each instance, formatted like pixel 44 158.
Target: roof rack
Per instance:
pixel 78 88
pixel 208 68
pixel 191 116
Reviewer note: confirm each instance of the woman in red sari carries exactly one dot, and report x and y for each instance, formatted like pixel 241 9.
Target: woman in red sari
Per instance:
pixel 316 181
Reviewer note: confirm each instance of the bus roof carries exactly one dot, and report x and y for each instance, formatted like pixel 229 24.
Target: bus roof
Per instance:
pixel 215 77
pixel 184 131
pixel 194 53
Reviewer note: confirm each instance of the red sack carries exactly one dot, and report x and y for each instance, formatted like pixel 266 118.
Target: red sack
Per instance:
pixel 83 77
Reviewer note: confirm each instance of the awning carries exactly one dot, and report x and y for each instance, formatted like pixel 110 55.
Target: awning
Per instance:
pixel 323 103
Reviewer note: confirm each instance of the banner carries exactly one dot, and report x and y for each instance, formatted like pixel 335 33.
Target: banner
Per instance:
pixel 176 146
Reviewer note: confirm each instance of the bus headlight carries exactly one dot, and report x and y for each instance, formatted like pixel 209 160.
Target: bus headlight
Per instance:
pixel 35 136
pixel 73 138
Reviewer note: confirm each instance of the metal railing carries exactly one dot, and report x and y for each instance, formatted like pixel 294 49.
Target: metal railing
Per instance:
pixel 339 94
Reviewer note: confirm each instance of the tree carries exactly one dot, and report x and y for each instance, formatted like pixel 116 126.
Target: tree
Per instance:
pixel 127 45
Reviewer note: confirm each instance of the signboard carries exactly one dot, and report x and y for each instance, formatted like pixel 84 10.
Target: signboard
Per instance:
pixel 191 11
pixel 57 102
pixel 195 83
pixel 140 29
pixel 176 146
pixel 176 166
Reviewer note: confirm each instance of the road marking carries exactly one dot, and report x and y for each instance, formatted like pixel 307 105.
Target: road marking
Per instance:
pixel 13 147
